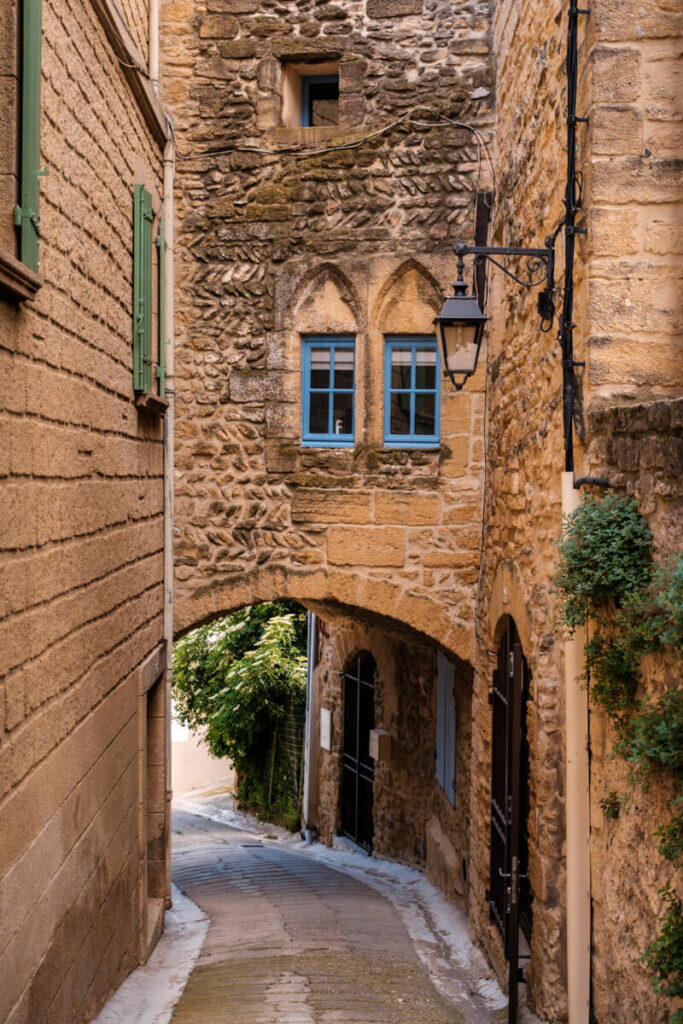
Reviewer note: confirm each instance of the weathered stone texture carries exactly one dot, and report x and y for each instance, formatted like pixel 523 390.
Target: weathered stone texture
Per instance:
pixel 81 537
pixel 413 819
pixel 628 314
pixel 354 241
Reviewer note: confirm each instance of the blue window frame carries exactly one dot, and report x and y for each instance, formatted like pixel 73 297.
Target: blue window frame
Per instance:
pixel 329 386
pixel 411 392
pixel 319 100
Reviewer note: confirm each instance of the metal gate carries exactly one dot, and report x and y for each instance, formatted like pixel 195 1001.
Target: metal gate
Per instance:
pixel 509 894
pixel 358 769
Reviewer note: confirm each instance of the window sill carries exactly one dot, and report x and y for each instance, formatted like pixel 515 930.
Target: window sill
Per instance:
pixel 300 136
pixel 428 445
pixel 17 281
pixel 151 403
pixel 328 444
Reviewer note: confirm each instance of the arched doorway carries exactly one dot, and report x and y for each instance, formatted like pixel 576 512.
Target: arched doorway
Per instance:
pixel 358 769
pixel 509 894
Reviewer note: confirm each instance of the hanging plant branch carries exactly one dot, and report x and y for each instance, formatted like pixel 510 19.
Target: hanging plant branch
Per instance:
pixel 606 581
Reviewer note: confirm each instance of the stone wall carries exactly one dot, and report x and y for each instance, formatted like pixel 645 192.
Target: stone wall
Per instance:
pixel 354 240
pixel 639 448
pixel 522 505
pixel 627 316
pixel 413 819
pixel 81 541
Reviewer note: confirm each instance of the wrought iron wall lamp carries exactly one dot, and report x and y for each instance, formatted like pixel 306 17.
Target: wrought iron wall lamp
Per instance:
pixel 461 321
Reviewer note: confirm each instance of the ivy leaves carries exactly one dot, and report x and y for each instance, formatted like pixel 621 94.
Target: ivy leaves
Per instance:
pixel 606 579
pixel 605 557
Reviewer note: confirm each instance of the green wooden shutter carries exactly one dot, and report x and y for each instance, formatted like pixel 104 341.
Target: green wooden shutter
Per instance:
pixel 142 290
pixel 27 216
pixel 161 367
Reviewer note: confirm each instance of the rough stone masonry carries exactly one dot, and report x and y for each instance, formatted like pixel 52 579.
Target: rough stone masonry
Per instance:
pixel 283 231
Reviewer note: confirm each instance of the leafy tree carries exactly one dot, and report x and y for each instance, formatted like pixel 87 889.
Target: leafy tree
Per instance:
pixel 242 678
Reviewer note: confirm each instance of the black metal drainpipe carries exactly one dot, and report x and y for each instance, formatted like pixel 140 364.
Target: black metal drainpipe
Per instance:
pixel 572 202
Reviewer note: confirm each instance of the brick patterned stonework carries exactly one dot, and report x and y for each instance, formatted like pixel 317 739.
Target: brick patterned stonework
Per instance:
pixel 81 540
pixel 357 241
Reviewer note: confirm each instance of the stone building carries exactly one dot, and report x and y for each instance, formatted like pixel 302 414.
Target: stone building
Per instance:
pixel 83 788
pixel 330 156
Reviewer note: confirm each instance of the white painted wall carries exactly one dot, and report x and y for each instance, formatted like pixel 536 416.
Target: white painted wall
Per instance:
pixel 192 765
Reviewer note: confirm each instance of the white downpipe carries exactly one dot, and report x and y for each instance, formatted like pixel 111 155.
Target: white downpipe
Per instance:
pixel 310 665
pixel 169 172
pixel 578 811
pixel 154 44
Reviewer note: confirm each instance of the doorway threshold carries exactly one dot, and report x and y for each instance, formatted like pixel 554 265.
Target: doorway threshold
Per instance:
pixel 347 845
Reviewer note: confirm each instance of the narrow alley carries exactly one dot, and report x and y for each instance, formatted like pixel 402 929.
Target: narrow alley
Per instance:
pixel 303 934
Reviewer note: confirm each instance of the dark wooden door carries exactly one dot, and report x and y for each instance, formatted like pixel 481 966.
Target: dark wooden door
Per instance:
pixel 509 891
pixel 358 768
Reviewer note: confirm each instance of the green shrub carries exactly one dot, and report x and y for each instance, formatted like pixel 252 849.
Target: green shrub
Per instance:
pixel 243 678
pixel 664 956
pixel 605 555
pixel 606 581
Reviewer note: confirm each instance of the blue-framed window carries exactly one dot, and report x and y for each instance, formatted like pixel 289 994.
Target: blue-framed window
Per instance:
pixel 329 390
pixel 411 391
pixel 319 100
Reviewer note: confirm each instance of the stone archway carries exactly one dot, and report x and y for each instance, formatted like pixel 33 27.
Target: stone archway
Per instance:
pixel 329 592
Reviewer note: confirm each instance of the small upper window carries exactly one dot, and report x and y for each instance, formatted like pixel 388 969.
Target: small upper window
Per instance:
pixel 411 400
pixel 319 100
pixel 310 94
pixel 329 381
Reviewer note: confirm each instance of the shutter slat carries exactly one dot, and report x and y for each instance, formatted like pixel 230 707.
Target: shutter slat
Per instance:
pixel 142 290
pixel 161 365
pixel 27 216
pixel 445 735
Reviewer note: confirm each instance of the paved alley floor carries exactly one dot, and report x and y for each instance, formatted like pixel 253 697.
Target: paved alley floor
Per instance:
pixel 291 940
pixel 268 930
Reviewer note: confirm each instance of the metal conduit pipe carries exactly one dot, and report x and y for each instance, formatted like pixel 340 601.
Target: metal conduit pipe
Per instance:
pixel 311 635
pixel 577 811
pixel 154 44
pixel 169 342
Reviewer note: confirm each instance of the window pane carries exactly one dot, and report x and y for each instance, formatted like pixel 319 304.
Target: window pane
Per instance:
pixel 401 363
pixel 320 367
pixel 319 413
pixel 324 103
pixel 342 414
pixel 399 414
pixel 425 406
pixel 425 368
pixel 343 368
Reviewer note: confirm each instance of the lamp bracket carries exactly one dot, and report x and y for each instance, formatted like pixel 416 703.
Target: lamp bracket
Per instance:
pixel 540 269
pixel 536 260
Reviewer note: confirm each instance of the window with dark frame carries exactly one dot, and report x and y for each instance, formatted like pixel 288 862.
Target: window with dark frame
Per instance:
pixel 412 390
pixel 329 383
pixel 319 100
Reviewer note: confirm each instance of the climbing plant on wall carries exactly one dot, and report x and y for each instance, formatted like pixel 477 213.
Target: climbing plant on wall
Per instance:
pixel 243 679
pixel 607 580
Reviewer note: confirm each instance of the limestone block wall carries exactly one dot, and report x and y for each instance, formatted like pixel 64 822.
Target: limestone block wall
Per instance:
pixel 640 448
pixel 274 244
pixel 81 540
pixel 627 316
pixel 414 821
pixel 522 503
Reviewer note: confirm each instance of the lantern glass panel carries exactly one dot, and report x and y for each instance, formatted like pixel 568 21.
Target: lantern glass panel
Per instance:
pixel 461 348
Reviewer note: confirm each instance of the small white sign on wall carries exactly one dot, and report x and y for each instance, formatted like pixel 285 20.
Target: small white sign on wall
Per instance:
pixel 325 729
